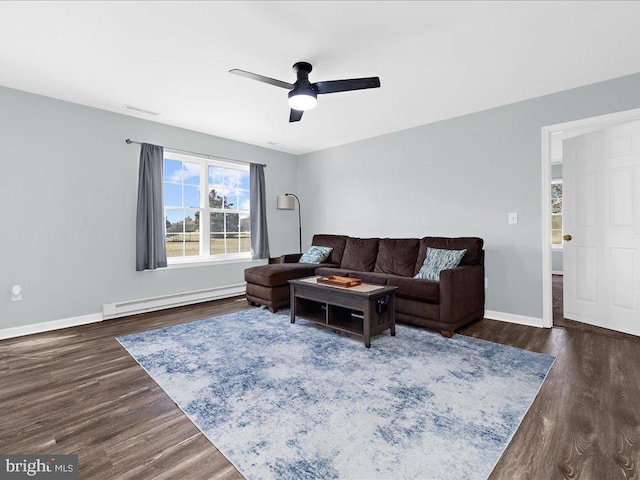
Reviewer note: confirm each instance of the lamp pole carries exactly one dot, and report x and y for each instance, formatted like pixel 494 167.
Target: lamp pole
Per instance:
pixel 299 217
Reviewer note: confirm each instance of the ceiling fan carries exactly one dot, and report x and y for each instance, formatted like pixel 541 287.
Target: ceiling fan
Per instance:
pixel 303 94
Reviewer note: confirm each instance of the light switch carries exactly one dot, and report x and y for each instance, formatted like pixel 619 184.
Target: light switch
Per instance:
pixel 513 218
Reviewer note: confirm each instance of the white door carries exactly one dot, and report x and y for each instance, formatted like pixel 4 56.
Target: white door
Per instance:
pixel 602 215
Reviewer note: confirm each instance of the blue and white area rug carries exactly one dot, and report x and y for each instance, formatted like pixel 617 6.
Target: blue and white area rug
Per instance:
pixel 298 401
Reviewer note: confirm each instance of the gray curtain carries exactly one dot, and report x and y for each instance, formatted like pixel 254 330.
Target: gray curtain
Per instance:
pixel 151 252
pixel 259 236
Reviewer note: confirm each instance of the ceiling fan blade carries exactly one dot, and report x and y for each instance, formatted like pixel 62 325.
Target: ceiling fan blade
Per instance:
pixel 333 86
pixel 263 79
pixel 295 115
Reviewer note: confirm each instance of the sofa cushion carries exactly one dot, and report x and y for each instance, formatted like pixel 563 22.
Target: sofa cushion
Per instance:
pixel 360 254
pixel 337 242
pixel 473 245
pixel 369 277
pixel 278 274
pixel 315 254
pixel 326 271
pixel 415 288
pixel 397 256
pixel 366 277
pixel 438 260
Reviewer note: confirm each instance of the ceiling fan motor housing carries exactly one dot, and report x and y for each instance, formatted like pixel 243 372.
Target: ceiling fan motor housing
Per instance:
pixel 302 85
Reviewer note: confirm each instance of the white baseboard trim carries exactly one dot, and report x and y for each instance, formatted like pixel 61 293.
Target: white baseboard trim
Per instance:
pixel 556 272
pixel 513 318
pixel 48 326
pixel 143 305
pixel 131 307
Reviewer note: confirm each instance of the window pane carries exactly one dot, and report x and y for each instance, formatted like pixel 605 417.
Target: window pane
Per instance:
pixel 217 243
pixel 243 200
pixel 217 223
pixel 232 237
pixel 191 173
pixel 182 233
pixel 233 243
pixel 243 180
pixel 172 171
pixel 191 237
pixel 556 222
pixel 230 200
pixel 556 198
pixel 556 237
pixel 232 223
pixel 216 179
pixel 174 222
pixel 191 196
pixel 215 198
pixel 230 179
pixel 245 223
pixel 172 195
pixel 245 236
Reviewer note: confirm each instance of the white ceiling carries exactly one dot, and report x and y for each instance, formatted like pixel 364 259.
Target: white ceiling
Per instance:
pixel 435 60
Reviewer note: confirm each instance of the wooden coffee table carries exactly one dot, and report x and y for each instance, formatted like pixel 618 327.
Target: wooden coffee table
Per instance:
pixel 363 310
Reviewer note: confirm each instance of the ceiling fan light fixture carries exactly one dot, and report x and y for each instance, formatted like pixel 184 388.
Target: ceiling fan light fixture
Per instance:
pixel 302 100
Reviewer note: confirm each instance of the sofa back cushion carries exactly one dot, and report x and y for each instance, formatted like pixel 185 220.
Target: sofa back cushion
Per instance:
pixel 337 242
pixel 473 246
pixel 360 254
pixel 397 256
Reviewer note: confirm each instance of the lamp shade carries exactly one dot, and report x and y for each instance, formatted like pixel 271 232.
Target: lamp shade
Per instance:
pixel 286 202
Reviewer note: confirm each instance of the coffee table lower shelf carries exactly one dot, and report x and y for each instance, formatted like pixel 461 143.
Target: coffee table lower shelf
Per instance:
pixel 360 313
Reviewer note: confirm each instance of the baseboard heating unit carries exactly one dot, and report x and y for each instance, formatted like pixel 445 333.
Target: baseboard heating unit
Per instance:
pixel 133 307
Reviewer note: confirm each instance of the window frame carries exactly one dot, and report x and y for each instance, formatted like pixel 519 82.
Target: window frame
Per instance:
pixel 205 256
pixel 557 246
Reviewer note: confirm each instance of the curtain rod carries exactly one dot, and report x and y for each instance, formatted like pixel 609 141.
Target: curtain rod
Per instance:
pixel 129 141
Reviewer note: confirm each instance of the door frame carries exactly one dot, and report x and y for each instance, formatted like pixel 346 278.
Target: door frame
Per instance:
pixel 602 121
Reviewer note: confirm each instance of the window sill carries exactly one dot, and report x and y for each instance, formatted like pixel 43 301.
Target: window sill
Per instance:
pixel 200 262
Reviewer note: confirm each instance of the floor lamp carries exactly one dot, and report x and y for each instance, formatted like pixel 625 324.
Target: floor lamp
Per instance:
pixel 287 202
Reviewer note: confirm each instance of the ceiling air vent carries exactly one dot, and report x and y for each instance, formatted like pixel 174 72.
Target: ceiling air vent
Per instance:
pixel 141 110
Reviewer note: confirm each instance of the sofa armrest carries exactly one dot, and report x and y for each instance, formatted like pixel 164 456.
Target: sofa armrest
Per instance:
pixel 290 258
pixel 461 293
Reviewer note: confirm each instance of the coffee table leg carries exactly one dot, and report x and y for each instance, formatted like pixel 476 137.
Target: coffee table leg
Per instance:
pixel 366 323
pixel 293 303
pixel 392 314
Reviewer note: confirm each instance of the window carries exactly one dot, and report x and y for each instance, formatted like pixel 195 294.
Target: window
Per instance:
pixel 206 206
pixel 556 213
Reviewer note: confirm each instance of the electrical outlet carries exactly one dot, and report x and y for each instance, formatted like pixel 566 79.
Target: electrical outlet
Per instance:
pixel 16 293
pixel 513 218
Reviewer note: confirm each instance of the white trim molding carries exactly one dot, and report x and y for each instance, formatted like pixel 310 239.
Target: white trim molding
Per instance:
pixel 48 326
pixel 143 305
pixel 513 318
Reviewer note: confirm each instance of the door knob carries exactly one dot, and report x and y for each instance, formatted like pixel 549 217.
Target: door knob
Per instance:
pixel 567 237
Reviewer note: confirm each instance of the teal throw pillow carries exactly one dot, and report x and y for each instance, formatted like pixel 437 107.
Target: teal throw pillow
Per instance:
pixel 437 260
pixel 316 254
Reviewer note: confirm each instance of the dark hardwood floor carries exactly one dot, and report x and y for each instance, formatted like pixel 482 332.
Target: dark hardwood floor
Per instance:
pixel 78 391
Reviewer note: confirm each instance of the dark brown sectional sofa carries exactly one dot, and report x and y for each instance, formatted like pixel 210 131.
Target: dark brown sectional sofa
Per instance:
pixel 454 301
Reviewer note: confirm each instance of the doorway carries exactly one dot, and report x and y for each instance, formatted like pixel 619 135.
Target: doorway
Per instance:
pixel 552 139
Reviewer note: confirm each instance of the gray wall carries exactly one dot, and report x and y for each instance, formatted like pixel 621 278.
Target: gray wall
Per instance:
pixel 68 189
pixel 457 177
